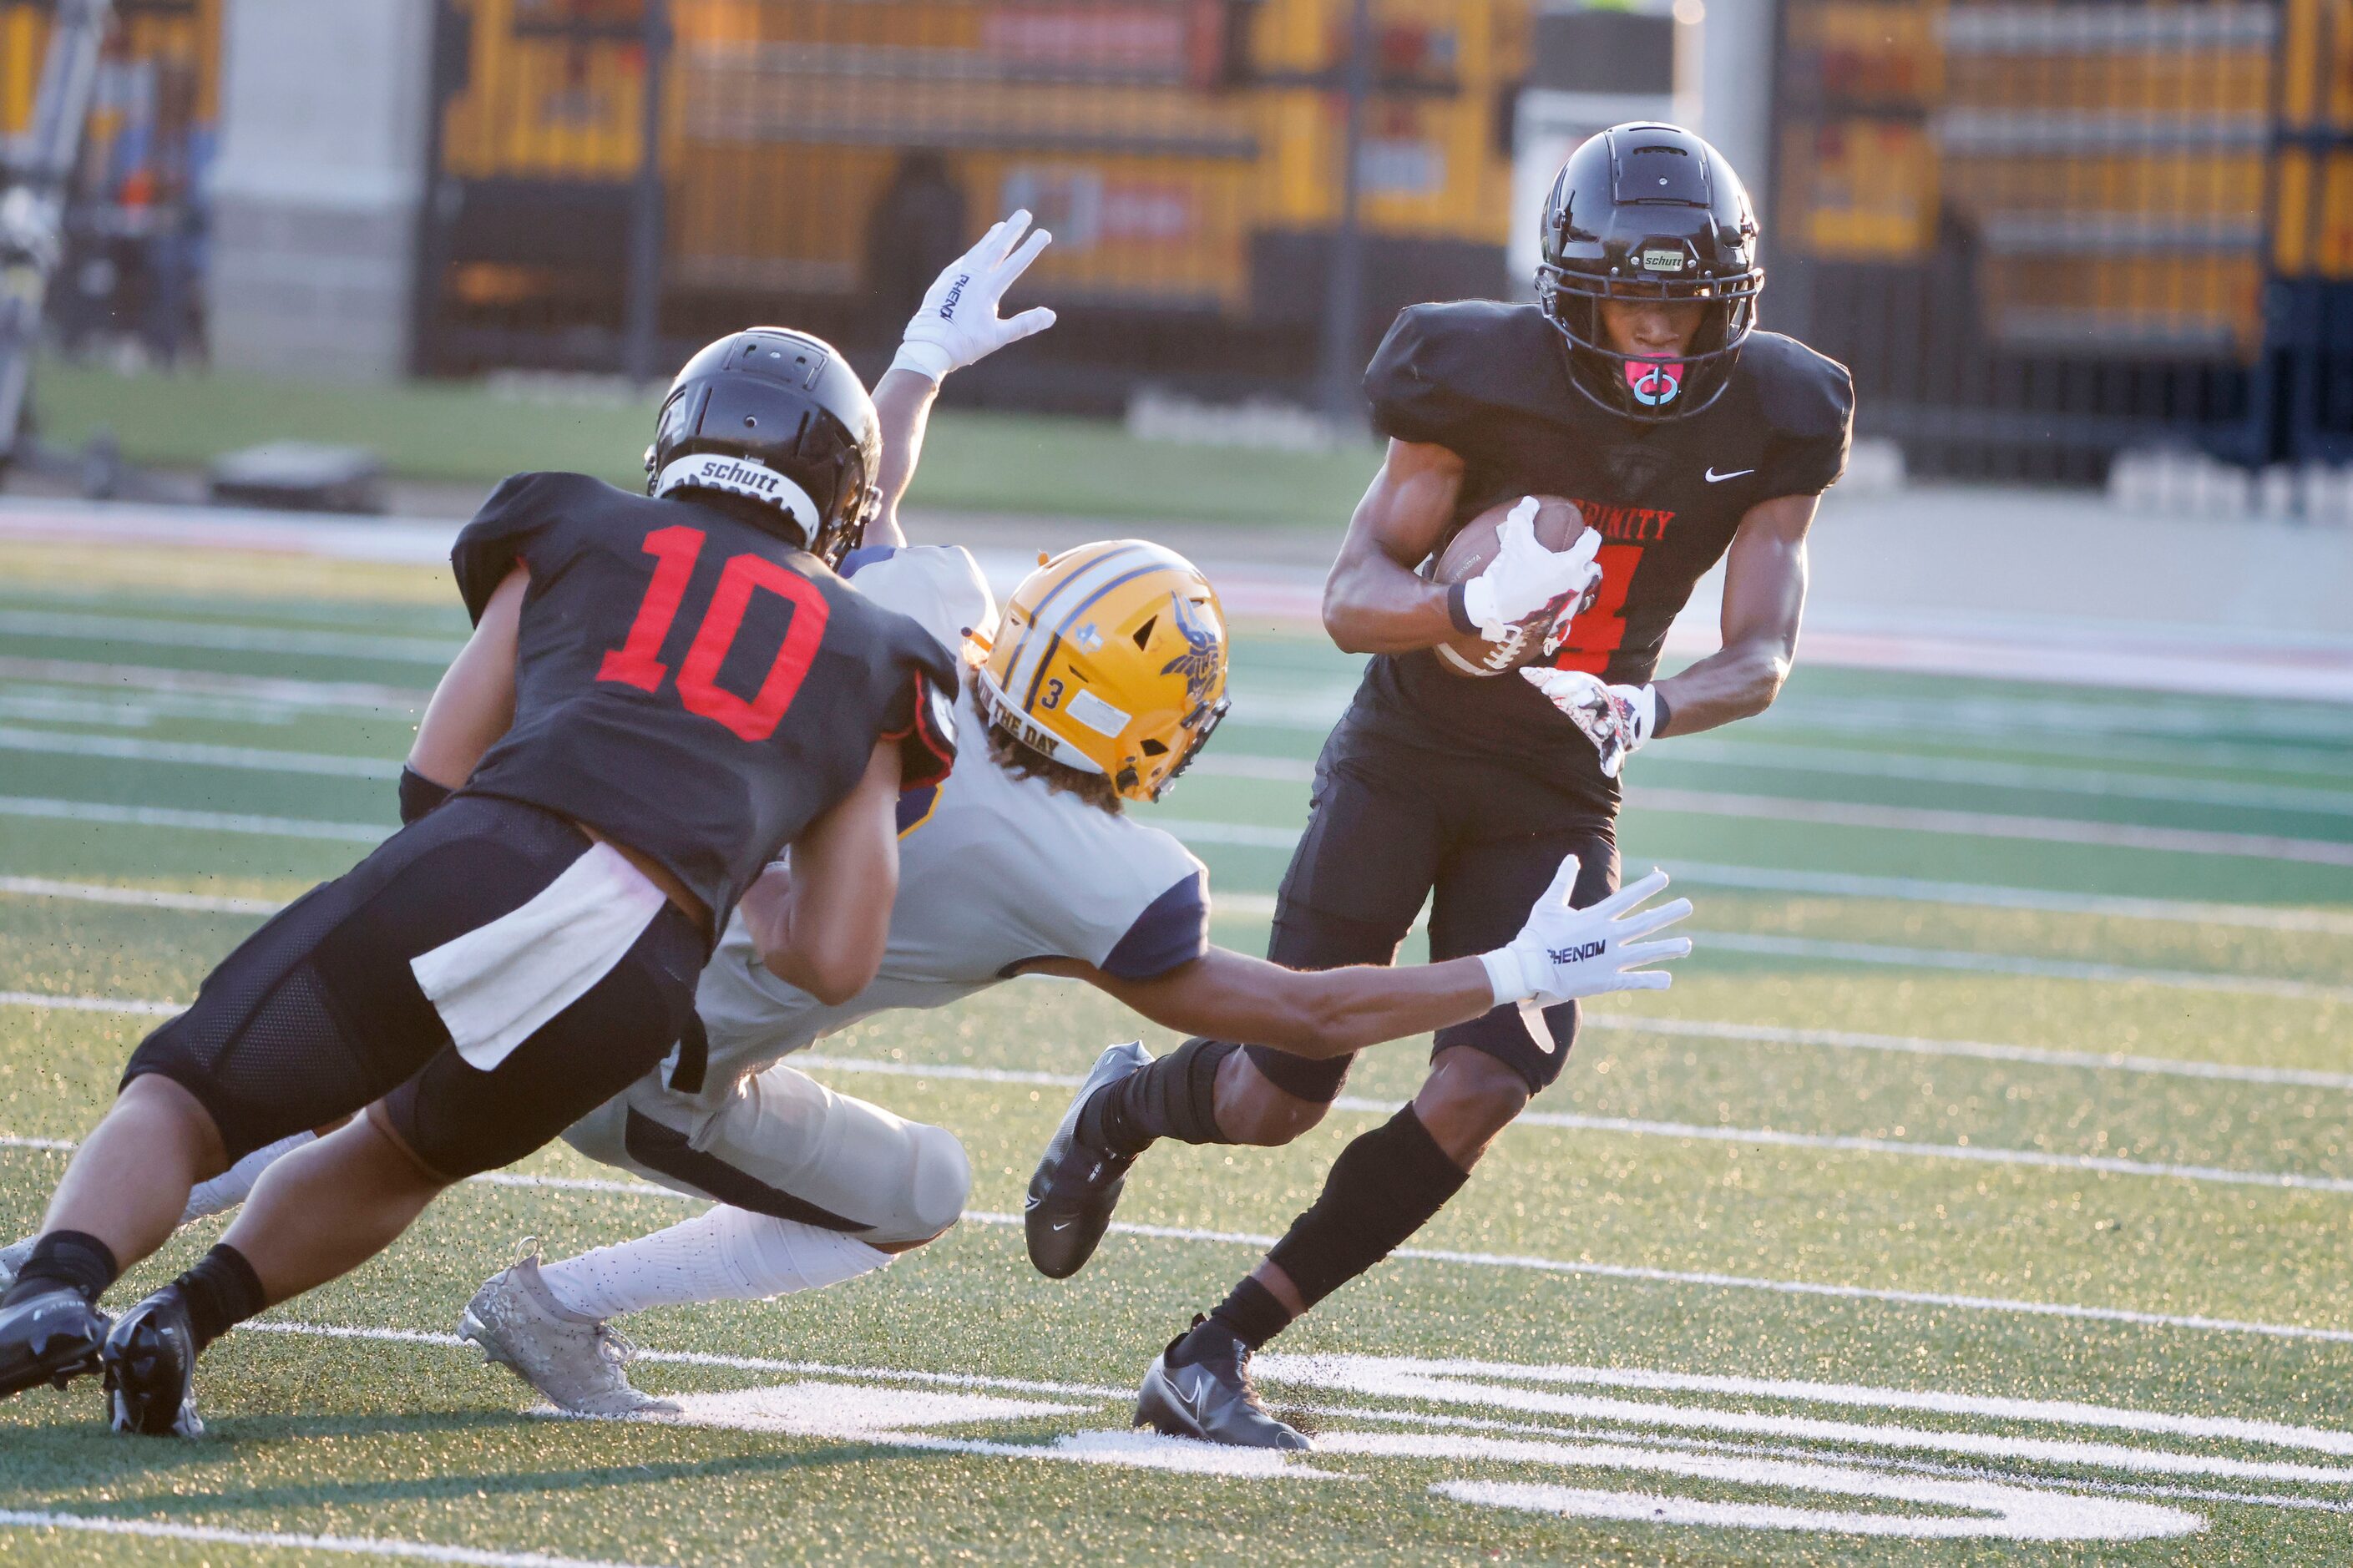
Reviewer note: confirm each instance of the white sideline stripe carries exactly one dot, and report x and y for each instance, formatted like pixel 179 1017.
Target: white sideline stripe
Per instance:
pixel 236 636
pixel 2189 1321
pixel 1922 1045
pixel 251 758
pixel 147 897
pixel 285 691
pixel 1822 950
pixel 357 1545
pixel 198 821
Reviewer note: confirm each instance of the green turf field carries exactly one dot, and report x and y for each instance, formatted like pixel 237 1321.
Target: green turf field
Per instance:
pixel 1978 1193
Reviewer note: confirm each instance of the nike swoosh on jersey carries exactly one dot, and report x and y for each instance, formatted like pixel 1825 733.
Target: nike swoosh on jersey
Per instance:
pixel 1716 479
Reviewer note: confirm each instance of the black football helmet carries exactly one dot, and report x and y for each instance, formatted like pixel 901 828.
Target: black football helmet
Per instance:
pixel 1650 211
pixel 777 417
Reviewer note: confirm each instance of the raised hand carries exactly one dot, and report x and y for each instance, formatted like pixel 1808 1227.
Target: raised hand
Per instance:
pixel 958 324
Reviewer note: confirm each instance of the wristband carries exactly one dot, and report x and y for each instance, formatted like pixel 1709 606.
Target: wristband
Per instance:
pixel 419 794
pixel 1508 976
pixel 1458 607
pixel 929 361
pixel 1660 712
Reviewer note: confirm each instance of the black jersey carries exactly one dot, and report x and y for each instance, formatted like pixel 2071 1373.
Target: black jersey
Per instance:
pixel 688 684
pixel 1490 382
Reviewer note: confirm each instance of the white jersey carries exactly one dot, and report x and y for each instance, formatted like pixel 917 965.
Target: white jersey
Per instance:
pixel 995 872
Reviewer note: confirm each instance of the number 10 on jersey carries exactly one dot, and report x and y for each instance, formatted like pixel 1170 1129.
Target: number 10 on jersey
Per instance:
pixel 638 661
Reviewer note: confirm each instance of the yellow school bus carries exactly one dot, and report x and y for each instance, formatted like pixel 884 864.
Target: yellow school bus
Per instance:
pixel 164 55
pixel 2108 166
pixel 1185 152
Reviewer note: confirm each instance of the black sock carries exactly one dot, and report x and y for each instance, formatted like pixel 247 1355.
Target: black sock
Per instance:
pixel 1252 1314
pixel 70 1258
pixel 1175 1097
pixel 222 1292
pixel 1384 1186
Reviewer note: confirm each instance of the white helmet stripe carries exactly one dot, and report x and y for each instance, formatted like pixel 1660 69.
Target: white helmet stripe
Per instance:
pixel 1057 608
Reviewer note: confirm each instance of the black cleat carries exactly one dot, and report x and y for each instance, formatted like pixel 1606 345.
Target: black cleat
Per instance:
pixel 1212 1400
pixel 151 1369
pixel 51 1337
pixel 1077 1185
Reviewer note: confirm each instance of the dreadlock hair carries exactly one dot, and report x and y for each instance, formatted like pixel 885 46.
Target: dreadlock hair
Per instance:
pixel 1024 764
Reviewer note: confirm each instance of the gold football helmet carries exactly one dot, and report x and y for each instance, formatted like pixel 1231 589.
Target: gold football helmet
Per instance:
pixel 1111 658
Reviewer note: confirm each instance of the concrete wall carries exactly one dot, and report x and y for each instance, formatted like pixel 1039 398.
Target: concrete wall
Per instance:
pixel 318 186
pixel 1735 87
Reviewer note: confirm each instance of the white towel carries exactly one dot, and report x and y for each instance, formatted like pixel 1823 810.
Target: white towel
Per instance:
pixel 497 984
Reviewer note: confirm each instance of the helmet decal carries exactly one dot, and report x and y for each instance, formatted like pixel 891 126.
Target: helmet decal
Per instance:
pixel 1202 659
pixel 1654 382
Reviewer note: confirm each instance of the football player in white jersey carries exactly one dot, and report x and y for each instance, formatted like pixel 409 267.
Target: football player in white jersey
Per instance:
pixel 1105 677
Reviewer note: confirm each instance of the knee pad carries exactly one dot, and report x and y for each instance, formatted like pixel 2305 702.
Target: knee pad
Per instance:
pixel 785 1145
pixel 1317 1078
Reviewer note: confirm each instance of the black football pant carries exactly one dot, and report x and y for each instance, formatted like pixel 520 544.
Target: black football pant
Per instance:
pixel 1390 823
pixel 318 1015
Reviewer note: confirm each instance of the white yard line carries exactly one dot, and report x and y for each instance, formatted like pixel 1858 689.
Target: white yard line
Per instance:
pixel 184 754
pixel 1920 891
pixel 1995 825
pixel 357 1545
pixel 233 637
pixel 279 690
pixel 196 821
pixel 1983 1050
pixel 91 1004
pixel 144 898
pixel 1820 950
pixel 1627 1126
pixel 1710 1280
pixel 1848 761
pixel 1900 819
pixel 1643 1128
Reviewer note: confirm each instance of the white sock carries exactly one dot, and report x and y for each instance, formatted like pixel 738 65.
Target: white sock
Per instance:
pixel 229 1188
pixel 723 1255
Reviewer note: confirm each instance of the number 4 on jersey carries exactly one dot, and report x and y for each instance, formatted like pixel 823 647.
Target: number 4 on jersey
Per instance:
pixel 1594 637
pixel 638 661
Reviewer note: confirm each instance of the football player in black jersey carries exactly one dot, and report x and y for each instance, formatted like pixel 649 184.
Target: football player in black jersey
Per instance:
pixel 1638 386
pixel 662 691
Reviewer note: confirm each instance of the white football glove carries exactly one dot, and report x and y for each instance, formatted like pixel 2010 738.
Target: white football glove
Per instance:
pixel 1562 954
pixel 958 324
pixel 1616 719
pixel 1524 577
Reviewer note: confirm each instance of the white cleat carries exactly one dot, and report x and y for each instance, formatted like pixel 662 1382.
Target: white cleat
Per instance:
pixel 12 1260
pixel 581 1367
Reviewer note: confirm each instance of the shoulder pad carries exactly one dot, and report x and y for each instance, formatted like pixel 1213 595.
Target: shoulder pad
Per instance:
pixel 489 546
pixel 1442 366
pixel 1802 394
pixel 938 587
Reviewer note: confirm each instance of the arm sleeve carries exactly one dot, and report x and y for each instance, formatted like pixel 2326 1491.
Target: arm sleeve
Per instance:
pixel 1173 931
pixel 489 546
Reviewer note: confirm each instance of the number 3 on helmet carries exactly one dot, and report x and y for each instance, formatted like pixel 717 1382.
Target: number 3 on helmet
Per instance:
pixel 1111 658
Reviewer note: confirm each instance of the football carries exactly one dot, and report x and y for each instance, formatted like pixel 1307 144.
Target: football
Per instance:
pixel 1559 523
